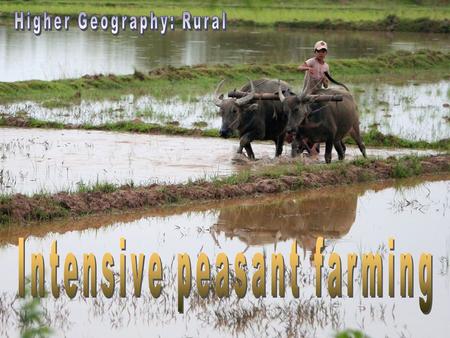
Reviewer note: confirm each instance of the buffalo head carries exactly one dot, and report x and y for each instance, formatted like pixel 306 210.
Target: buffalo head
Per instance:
pixel 231 109
pixel 294 108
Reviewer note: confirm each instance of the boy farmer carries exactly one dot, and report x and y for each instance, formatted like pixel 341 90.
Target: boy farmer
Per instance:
pixel 314 79
pixel 315 68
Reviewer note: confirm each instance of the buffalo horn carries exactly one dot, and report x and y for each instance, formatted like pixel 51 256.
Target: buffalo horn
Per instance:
pixel 280 92
pixel 217 100
pixel 246 99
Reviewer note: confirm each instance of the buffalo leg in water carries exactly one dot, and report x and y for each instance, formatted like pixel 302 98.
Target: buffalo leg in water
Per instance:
pixel 245 143
pixel 357 137
pixel 279 145
pixel 249 150
pixel 328 148
pixel 340 151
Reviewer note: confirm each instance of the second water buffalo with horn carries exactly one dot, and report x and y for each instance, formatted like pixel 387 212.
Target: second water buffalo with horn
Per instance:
pixel 321 121
pixel 261 120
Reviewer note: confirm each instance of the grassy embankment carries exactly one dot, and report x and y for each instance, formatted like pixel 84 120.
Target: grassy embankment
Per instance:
pixel 187 81
pixel 418 16
pixel 266 180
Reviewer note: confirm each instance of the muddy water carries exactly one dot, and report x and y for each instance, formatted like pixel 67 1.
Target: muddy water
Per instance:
pixel 413 111
pixel 74 53
pixel 352 219
pixel 38 160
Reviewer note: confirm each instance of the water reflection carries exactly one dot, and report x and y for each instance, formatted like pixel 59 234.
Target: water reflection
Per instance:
pixel 358 218
pixel 329 213
pixel 74 53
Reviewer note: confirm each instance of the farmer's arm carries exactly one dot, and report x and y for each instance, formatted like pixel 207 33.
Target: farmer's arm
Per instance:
pixel 305 67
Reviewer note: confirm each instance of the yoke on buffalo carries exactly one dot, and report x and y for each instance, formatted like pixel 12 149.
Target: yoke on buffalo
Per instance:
pixel 274 96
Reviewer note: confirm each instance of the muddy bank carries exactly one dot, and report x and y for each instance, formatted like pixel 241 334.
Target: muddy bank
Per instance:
pixel 136 126
pixel 372 138
pixel 269 180
pixel 390 23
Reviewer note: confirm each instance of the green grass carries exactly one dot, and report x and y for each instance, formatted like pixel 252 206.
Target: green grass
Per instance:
pixel 403 167
pixel 186 81
pixel 350 333
pixel 361 161
pixel 35 123
pixel 32 319
pixel 276 171
pixel 239 178
pixel 375 138
pixel 122 126
pixel 52 103
pixel 406 167
pixel 200 124
pixel 104 187
pixel 250 11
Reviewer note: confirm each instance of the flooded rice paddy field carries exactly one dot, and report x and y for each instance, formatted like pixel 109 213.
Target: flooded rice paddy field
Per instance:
pixel 40 160
pixel 413 111
pixel 76 53
pixel 359 218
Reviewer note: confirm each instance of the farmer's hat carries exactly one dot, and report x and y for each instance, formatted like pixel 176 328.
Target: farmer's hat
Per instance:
pixel 320 45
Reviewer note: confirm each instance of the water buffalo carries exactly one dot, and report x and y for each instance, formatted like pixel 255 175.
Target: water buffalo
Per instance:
pixel 327 122
pixel 262 120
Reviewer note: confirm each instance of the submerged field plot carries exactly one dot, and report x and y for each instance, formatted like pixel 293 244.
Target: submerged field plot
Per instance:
pixel 48 161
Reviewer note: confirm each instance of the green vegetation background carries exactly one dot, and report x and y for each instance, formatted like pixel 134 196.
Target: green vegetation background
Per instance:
pixel 256 11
